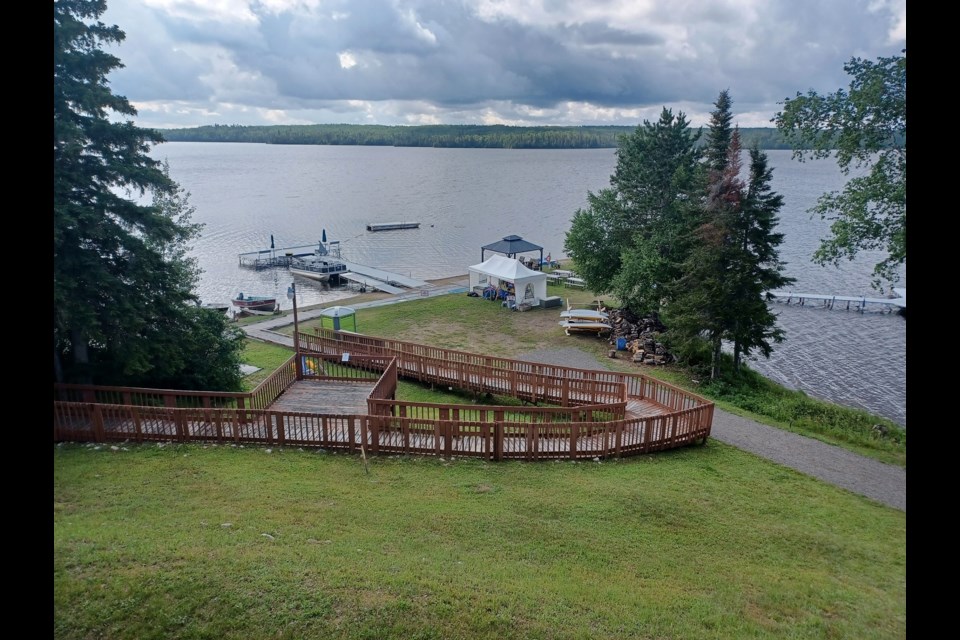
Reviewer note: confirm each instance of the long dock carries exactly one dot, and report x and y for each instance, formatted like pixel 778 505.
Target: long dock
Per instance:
pixel 393 279
pixel 830 302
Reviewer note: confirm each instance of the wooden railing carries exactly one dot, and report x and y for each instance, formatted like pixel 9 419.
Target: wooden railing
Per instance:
pixel 498 440
pixel 482 374
pixel 489 374
pixel 576 429
pixel 275 384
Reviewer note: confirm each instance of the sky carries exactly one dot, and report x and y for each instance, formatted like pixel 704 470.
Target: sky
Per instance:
pixel 189 63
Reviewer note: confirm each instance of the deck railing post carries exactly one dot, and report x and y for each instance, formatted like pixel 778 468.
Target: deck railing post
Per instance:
pixel 97 423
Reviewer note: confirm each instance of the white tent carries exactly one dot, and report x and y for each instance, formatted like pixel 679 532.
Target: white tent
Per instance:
pixel 530 286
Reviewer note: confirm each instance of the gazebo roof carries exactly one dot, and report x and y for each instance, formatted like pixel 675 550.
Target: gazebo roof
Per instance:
pixel 337 312
pixel 511 245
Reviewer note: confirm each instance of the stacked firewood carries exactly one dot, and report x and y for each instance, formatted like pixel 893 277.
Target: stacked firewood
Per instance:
pixel 642 336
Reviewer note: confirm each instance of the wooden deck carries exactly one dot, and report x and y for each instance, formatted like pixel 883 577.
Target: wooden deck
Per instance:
pixel 567 413
pixel 325 397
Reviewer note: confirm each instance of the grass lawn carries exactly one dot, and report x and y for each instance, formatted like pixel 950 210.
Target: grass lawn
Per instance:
pixel 191 541
pixel 480 326
pixel 706 542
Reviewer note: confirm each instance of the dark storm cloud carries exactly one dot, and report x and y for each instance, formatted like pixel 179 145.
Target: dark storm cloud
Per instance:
pixel 521 57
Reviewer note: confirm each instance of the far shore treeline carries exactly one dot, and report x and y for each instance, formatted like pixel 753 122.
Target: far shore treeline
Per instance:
pixel 459 136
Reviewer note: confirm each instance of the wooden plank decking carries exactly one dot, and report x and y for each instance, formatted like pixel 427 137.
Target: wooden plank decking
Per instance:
pixel 331 397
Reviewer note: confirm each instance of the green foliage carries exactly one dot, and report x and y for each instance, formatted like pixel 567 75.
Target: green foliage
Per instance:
pixel 124 307
pixel 632 236
pixel 468 136
pixel 864 127
pixel 679 233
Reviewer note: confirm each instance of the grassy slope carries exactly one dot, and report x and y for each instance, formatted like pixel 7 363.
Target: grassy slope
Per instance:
pixel 705 542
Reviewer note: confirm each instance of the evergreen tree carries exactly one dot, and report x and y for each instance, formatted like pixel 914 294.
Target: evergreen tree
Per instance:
pixel 733 265
pixel 719 132
pixel 703 306
pixel 632 236
pixel 124 307
pixel 757 268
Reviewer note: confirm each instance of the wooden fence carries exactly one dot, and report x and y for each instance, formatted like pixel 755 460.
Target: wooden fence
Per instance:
pixel 91 422
pixel 592 420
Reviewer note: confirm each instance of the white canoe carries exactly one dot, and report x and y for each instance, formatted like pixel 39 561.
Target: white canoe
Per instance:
pixel 585 314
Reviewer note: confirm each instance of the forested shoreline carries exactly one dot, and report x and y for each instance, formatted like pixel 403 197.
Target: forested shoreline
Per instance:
pixel 450 136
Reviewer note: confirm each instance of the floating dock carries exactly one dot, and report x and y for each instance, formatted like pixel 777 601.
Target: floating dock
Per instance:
pixel 830 302
pixel 369 277
pixel 284 256
pixel 371 274
pixel 390 226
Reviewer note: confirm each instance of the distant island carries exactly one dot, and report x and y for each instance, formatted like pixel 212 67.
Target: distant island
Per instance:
pixel 451 136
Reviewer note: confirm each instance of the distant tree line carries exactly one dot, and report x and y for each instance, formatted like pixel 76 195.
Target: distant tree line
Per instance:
pixel 450 136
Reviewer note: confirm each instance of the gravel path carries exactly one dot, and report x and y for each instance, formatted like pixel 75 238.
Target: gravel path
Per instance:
pixel 885 483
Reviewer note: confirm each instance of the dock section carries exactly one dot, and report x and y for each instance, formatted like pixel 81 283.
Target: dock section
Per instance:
pixel 285 257
pixel 371 283
pixel 390 226
pixel 281 257
pixel 394 279
pixel 859 303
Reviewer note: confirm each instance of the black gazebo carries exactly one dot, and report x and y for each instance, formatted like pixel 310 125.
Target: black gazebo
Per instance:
pixel 510 246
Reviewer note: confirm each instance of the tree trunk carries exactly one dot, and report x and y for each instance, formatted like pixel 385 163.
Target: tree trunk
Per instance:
pixel 81 356
pixel 715 359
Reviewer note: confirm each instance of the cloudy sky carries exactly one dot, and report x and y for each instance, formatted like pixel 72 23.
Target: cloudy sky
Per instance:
pixel 521 62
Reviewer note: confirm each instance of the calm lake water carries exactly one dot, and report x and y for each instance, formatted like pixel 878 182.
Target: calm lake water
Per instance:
pixel 467 198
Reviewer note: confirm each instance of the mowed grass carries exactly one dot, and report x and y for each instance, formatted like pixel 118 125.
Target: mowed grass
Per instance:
pixel 479 326
pixel 191 541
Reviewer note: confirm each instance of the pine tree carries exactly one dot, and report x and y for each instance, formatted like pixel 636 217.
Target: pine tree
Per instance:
pixel 632 236
pixel 702 306
pixel 719 132
pixel 757 268
pixel 124 307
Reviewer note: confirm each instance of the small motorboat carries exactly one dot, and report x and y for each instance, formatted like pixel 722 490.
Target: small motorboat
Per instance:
pixel 255 303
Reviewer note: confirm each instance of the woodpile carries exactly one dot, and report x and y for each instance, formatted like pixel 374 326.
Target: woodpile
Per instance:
pixel 642 336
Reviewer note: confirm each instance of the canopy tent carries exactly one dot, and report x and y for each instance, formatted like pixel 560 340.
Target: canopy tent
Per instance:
pixel 530 286
pixel 510 246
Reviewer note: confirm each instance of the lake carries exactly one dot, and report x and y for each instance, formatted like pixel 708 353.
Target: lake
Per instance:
pixel 467 198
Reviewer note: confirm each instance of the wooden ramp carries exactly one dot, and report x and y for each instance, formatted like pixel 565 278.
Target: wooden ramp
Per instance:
pixel 338 397
pixel 371 283
pixel 389 277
